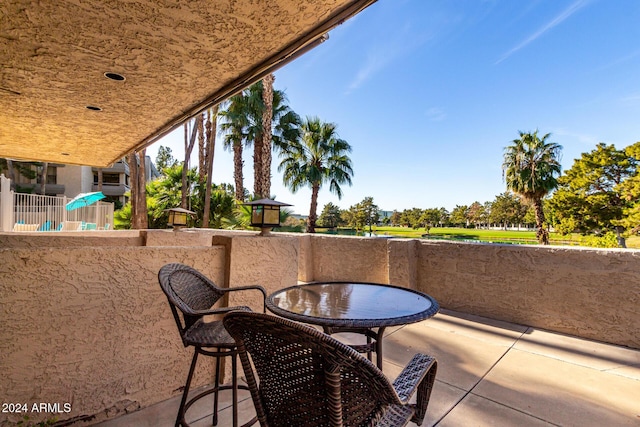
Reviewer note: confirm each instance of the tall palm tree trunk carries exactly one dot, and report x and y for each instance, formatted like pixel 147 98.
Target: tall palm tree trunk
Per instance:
pixel 541 233
pixel 267 118
pixel 311 222
pixel 237 170
pixel 100 178
pixel 43 178
pixel 257 166
pixel 143 218
pixel 202 156
pixel 133 183
pixel 188 148
pixel 139 218
pixel 185 168
pixel 212 123
pixel 12 173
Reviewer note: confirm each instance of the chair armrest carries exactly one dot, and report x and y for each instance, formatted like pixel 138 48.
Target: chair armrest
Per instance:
pixel 221 310
pixel 419 374
pixel 251 287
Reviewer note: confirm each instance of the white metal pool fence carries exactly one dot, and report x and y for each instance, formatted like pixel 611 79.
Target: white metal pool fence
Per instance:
pixel 34 212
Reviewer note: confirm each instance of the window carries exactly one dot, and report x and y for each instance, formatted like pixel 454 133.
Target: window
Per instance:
pixel 107 178
pixel 52 175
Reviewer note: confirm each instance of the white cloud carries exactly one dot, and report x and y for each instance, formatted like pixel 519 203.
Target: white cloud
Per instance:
pixel 374 62
pixel 619 61
pixel 383 54
pixel 577 5
pixel 582 138
pixel 436 114
pixel 632 98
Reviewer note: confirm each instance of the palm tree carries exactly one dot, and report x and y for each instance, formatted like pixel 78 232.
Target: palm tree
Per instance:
pixel 242 124
pixel 211 125
pixel 529 168
pixel 139 216
pixel 234 122
pixel 267 120
pixel 319 156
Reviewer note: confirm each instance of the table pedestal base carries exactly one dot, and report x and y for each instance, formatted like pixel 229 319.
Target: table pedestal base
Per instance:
pixel 374 340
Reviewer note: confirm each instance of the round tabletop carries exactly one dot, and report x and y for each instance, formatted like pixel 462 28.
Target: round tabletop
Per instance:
pixel 349 304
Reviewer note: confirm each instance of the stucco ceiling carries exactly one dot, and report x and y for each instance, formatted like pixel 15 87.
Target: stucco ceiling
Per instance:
pixel 177 58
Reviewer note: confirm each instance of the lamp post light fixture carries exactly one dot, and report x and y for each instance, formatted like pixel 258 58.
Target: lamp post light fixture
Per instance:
pixel 178 217
pixel 265 214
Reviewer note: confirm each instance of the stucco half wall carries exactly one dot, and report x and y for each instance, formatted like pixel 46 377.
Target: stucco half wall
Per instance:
pixel 345 258
pixel 90 326
pixel 585 292
pixel 85 322
pixel 590 293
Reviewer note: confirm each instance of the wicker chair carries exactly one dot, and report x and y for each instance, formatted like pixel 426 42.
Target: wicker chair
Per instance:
pixel 304 377
pixel 193 294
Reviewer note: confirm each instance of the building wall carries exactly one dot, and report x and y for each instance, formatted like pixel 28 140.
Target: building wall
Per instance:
pixel 72 180
pixel 76 179
pixel 150 170
pixel 52 188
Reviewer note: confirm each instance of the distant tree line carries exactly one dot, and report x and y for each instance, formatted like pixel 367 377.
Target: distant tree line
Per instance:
pixel 507 210
pixel 598 196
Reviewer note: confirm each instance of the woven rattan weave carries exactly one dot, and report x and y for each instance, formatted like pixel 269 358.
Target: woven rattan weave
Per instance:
pixel 302 377
pixel 191 296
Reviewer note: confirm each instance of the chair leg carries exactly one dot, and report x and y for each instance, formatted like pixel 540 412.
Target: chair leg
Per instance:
pixel 180 420
pixel 234 382
pixel 216 384
pixel 187 386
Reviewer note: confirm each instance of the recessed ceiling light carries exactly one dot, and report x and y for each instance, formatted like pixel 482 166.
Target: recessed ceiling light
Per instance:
pixel 93 108
pixel 114 76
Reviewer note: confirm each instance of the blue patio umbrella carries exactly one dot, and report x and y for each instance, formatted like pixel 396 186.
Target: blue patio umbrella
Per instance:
pixel 84 199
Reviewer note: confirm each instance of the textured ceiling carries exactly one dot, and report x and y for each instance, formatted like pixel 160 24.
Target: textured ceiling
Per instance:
pixel 177 57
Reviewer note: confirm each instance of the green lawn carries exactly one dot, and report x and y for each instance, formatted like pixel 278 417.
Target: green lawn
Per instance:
pixel 633 242
pixel 527 237
pixel 462 233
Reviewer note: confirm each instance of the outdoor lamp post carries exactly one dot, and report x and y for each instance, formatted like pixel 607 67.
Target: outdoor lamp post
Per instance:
pixel 178 217
pixel 265 214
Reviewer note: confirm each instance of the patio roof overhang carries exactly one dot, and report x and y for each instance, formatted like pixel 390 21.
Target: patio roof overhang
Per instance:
pixel 177 59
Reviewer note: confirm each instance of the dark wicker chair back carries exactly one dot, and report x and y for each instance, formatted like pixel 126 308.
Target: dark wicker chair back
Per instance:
pixel 191 297
pixel 304 377
pixel 188 291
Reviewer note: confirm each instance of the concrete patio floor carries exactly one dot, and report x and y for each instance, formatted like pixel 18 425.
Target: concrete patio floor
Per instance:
pixel 490 373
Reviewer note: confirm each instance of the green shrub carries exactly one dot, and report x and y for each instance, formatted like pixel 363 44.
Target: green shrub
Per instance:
pixel 608 240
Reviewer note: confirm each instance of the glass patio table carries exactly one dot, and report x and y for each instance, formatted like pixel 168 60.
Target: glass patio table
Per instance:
pixel 363 308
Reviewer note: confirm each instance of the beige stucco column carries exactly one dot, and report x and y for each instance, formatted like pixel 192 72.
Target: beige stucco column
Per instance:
pixel 403 262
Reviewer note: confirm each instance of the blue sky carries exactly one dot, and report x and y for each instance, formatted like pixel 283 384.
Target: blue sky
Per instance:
pixel 428 94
